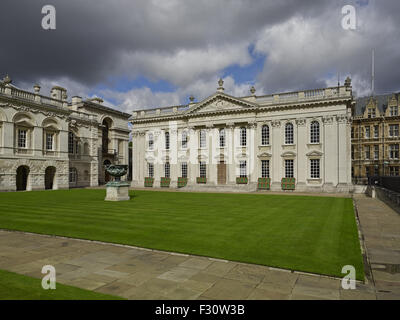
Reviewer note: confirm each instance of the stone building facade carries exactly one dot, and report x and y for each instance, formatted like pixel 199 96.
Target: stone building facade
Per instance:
pixel 47 142
pixel 375 137
pixel 297 140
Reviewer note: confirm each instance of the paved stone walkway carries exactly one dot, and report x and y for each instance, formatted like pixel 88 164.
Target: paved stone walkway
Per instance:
pixel 137 273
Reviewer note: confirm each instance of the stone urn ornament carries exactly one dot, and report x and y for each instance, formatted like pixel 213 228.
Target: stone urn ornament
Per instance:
pixel 117 190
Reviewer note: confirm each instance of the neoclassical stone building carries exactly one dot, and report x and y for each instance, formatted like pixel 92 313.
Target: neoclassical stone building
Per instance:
pixel 298 140
pixel 47 142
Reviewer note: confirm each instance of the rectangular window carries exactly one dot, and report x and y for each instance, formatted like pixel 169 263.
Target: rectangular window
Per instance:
pixel 71 143
pixel 393 111
pixel 184 170
pixel 150 169
pixel 49 141
pixel 394 171
pixel 367 152
pixel 376 152
pixel 394 151
pixel 367 132
pixel 265 168
pixel 393 130
pixel 167 141
pixel 315 169
pixel 184 140
pixel 289 169
pixel 151 141
pixel 203 169
pixel 73 175
pixel 167 170
pixel 202 139
pixel 22 138
pixel 367 171
pixel 371 113
pixel 376 131
pixel 222 138
pixel 243 168
pixel 243 137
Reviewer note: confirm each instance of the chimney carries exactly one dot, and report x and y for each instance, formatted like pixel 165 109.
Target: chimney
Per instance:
pixel 58 93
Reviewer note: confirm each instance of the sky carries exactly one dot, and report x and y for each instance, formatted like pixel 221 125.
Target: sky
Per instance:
pixel 138 54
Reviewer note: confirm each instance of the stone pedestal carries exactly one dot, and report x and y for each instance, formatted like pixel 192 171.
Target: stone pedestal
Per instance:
pixel 117 191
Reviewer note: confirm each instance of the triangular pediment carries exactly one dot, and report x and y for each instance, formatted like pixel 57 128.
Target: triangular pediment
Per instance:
pixel 221 102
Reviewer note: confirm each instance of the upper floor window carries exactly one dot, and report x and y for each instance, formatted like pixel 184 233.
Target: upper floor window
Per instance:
pixel 394 111
pixel 71 142
pixel 50 141
pixel 394 151
pixel 265 135
pixel 203 169
pixel 371 113
pixel 222 138
pixel 151 141
pixel 368 132
pixel 376 131
pixel 367 152
pixel 289 138
pixel 314 132
pixel 376 152
pixel 202 138
pixel 22 138
pixel 393 130
pixel 243 137
pixel 184 139
pixel 167 140
pixel 167 170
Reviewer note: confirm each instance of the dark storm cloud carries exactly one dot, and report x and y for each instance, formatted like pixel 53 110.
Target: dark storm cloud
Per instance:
pixel 91 35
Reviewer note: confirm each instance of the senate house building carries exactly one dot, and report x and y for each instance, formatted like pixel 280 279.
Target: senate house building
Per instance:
pixel 292 141
pixel 47 142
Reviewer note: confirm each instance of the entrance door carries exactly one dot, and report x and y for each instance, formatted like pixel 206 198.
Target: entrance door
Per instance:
pixel 22 178
pixel 221 172
pixel 49 178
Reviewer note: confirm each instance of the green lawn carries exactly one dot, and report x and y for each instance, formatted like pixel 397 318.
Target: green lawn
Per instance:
pixel 18 287
pixel 313 234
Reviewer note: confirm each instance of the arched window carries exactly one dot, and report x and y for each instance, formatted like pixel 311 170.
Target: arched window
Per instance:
pixel 243 137
pixel 289 134
pixel 314 132
pixel 151 141
pixel 184 139
pixel 202 138
pixel 265 135
pixel 167 140
pixel 222 138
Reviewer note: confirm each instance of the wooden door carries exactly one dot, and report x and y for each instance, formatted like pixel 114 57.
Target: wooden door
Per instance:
pixel 221 172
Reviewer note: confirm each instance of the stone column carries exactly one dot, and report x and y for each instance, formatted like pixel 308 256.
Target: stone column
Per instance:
pixel 93 151
pixel 343 149
pixel 173 145
pixel 331 152
pixel 301 158
pixel 230 139
pixel 252 149
pixel 212 167
pixel 276 160
pixel 193 160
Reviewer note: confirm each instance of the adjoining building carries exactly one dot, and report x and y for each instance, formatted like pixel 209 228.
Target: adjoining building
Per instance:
pixel 47 142
pixel 298 140
pixel 375 137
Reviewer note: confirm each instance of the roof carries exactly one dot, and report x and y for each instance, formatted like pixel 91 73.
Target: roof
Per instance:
pixel 382 101
pixel 107 109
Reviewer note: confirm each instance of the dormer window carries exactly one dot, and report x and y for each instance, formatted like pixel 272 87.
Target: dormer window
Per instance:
pixel 371 112
pixel 393 111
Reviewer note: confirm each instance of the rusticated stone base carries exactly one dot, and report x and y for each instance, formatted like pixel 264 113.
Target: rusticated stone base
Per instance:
pixel 117 191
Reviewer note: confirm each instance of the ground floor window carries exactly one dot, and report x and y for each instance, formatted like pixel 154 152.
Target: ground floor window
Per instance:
pixel 22 138
pixel 150 169
pixel 203 169
pixel 243 168
pixel 167 170
pixel 394 171
pixel 73 175
pixel 289 169
pixel 315 168
pixel 184 170
pixel 265 168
